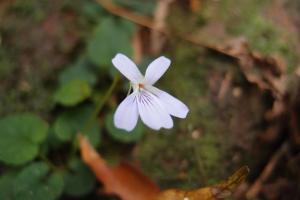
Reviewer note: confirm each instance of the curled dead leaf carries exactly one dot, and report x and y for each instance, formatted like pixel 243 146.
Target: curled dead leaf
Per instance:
pixel 264 71
pixel 123 180
pixel 215 192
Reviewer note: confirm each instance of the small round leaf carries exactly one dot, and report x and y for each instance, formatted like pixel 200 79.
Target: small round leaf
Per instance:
pixel 6 186
pixel 111 35
pixel 71 122
pixel 21 134
pixel 35 182
pixel 79 180
pixel 72 92
pixel 78 71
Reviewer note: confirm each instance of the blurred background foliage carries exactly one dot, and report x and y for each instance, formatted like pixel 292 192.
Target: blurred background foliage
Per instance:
pixel 55 68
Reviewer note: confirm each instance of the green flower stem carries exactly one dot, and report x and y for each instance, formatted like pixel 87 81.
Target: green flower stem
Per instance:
pixel 100 105
pixel 94 115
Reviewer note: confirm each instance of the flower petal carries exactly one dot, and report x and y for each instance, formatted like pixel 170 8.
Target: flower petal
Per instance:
pixel 174 106
pixel 127 68
pixel 126 115
pixel 156 69
pixel 152 112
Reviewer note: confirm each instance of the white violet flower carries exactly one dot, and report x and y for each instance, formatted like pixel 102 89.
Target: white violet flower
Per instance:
pixel 152 104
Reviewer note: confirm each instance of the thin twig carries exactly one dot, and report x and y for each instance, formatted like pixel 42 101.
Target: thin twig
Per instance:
pixel 160 14
pixel 267 171
pixel 123 12
pixel 100 105
pixel 225 85
pixel 149 23
pixel 137 47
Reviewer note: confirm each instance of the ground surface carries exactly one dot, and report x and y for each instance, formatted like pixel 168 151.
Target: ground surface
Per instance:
pixel 232 119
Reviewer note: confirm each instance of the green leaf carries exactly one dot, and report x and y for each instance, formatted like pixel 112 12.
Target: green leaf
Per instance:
pixel 121 135
pixel 72 92
pixel 111 36
pixel 6 186
pixel 21 134
pixel 35 182
pixel 79 180
pixel 71 122
pixel 79 71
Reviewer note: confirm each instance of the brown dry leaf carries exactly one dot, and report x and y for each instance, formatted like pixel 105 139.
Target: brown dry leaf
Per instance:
pixel 215 192
pixel 266 72
pixel 123 180
pixel 130 184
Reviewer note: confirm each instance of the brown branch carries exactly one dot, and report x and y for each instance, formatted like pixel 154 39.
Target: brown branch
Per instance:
pixel 127 14
pixel 149 23
pixel 137 47
pixel 267 171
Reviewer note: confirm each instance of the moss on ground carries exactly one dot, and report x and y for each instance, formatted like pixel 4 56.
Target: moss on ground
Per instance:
pixel 198 151
pixel 248 19
pixel 189 155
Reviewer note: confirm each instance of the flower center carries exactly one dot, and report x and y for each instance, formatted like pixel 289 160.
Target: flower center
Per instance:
pixel 140 85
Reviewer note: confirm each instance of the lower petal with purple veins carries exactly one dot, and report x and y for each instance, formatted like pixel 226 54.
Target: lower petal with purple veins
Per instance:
pixel 152 111
pixel 126 115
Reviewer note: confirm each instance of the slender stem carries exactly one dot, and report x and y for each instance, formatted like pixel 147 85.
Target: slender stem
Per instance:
pixel 93 117
pixel 100 105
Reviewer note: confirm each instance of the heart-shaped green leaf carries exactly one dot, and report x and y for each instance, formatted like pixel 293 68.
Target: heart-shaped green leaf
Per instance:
pixel 72 92
pixel 35 182
pixel 6 186
pixel 21 134
pixel 72 122
pixel 110 37
pixel 81 70
pixel 79 180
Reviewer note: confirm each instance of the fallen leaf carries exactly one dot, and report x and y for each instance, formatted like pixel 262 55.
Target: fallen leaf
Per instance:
pixel 215 192
pixel 123 180
pixel 130 184
pixel 266 72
